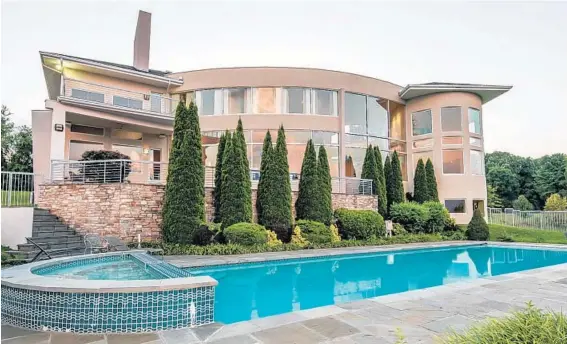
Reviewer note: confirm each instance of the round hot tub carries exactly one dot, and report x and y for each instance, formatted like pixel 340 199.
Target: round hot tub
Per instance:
pixel 121 292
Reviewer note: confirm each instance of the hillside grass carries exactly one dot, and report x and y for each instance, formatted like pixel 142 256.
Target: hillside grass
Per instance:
pixel 17 199
pixel 515 234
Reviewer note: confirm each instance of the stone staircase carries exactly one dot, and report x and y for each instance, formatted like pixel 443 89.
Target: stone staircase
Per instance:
pixel 53 236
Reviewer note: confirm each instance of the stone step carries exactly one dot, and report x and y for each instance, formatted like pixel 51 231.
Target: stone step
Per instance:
pixel 39 211
pixel 53 233
pixel 73 238
pixel 47 223
pixel 49 246
pixel 50 218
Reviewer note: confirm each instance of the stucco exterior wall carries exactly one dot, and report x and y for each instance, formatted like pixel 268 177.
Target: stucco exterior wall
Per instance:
pixel 450 186
pixel 126 210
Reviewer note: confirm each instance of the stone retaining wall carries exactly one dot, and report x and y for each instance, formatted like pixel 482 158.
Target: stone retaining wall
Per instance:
pixel 126 210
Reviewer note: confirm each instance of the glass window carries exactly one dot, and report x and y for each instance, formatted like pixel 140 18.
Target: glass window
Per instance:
pixel 423 156
pixel 295 153
pixel 397 121
pixel 452 140
pixel 297 136
pixel 355 113
pixel 325 138
pixel 295 100
pixel 236 100
pixel 324 102
pixel 127 102
pixel 477 163
pixel 423 143
pixel 333 156
pixel 126 135
pixel 421 123
pixel 86 95
pixel 453 162
pixel 398 146
pixel 77 148
pixel 377 116
pixel 356 141
pixel 210 155
pixel 135 154
pixel 451 119
pixel 85 129
pixel 354 159
pixel 474 121
pixel 190 97
pixel 380 142
pixel 475 141
pixel 404 166
pixel 207 102
pixel 256 157
pixel 266 100
pixel 455 205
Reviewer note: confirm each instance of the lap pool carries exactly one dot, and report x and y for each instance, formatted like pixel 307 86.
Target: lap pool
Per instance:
pixel 255 290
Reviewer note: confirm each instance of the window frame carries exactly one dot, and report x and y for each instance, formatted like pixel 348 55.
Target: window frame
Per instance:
pixel 226 101
pixel 89 126
pixel 112 144
pixel 412 127
pixel 114 97
pixel 88 92
pixel 474 134
pixel 462 160
pixel 306 100
pixel 313 102
pixel 482 168
pixel 456 199
pixel 81 141
pixel 441 119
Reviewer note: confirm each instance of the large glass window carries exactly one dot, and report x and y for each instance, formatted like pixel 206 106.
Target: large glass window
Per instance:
pixel 455 206
pixel 475 126
pixel 77 148
pixel 421 123
pixel 477 163
pixel 134 152
pixel 208 103
pixel 452 140
pixel 355 113
pixel 295 100
pixel 451 119
pixel 325 138
pixel 473 141
pixel 453 162
pixel 380 142
pixel 265 100
pixel 85 129
pixel 354 159
pixel 397 121
pixel 324 102
pixel 127 102
pixel 237 100
pixel 377 112
pixel 87 95
pixel 423 156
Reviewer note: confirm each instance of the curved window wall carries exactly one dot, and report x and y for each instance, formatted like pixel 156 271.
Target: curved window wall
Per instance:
pixel 372 121
pixel 264 100
pixel 296 143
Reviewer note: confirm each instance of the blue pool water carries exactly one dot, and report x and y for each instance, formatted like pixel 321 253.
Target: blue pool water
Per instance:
pixel 121 270
pixel 256 290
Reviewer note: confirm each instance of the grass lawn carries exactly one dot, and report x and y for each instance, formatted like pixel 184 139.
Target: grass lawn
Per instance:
pixel 17 199
pixel 499 232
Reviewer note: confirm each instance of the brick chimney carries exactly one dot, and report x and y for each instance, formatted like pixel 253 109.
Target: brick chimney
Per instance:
pixel 142 41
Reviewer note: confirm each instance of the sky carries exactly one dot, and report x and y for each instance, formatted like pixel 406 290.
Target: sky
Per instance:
pixel 521 44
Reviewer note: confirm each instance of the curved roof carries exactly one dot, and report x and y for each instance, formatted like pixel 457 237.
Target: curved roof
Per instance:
pixel 485 92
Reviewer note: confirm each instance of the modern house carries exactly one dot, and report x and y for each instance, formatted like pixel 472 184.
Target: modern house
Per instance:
pixel 95 104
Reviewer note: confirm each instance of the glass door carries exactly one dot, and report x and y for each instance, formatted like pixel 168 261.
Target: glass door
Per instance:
pixel 155 101
pixel 478 204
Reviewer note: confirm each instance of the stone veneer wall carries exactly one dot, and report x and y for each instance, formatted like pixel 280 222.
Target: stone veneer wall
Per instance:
pixel 126 210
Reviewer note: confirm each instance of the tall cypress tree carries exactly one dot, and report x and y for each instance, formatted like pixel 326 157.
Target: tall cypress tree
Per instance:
pixel 218 177
pixel 381 189
pixel 244 159
pixel 262 194
pixel 388 178
pixel 325 187
pixel 431 181
pixel 420 187
pixel 369 168
pixel 306 207
pixel 277 214
pixel 397 181
pixel 184 200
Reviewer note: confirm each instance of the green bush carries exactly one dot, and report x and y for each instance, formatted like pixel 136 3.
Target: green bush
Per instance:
pixel 398 229
pixel 360 224
pixel 420 187
pixel 527 326
pixel 307 204
pixel 477 228
pixel 431 181
pixel 325 187
pixel 315 232
pixel 109 172
pixel 207 233
pixel 411 215
pixel 245 233
pixel 438 217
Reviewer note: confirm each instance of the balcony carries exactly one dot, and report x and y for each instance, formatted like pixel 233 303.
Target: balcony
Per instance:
pixel 98 97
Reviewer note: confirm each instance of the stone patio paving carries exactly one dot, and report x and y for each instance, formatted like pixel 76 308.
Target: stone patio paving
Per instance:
pixel 421 315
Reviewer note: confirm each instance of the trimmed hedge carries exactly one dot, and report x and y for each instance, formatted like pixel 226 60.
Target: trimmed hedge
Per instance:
pixel 246 234
pixel 227 249
pixel 438 217
pixel 315 232
pixel 477 228
pixel 360 224
pixel 411 215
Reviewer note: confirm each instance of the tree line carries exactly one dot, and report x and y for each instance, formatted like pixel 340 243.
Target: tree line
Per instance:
pixel 16 145
pixel 524 183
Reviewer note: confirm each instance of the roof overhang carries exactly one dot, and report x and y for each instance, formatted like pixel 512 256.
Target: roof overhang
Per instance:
pixel 485 92
pixel 57 62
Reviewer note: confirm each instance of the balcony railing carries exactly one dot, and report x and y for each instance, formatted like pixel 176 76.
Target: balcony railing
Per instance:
pixel 149 172
pixel 96 94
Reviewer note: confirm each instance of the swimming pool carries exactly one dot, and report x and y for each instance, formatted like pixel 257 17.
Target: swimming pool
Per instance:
pixel 255 290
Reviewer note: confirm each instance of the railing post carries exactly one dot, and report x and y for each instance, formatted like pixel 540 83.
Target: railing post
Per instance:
pixel 120 173
pixel 9 202
pixel 104 173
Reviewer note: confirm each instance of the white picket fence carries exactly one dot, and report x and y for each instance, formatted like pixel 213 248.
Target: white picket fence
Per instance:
pixel 551 220
pixel 18 189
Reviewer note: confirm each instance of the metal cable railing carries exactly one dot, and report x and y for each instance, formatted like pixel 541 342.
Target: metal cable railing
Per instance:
pixel 148 172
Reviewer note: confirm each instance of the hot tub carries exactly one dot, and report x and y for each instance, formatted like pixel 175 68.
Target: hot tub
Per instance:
pixel 105 293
